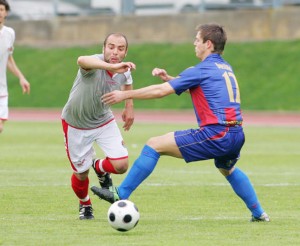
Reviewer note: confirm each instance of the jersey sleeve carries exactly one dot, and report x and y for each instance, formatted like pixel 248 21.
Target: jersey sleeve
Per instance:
pixel 186 80
pixel 12 37
pixel 88 72
pixel 128 76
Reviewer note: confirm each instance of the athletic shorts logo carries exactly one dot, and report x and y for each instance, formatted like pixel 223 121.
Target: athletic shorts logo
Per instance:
pixel 79 163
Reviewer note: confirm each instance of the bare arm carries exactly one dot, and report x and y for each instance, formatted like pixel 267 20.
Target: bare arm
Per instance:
pixel 162 74
pixel 12 67
pixel 90 62
pixel 149 92
pixel 128 113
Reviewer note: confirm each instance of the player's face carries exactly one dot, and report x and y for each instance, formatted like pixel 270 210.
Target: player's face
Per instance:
pixel 3 14
pixel 115 49
pixel 200 47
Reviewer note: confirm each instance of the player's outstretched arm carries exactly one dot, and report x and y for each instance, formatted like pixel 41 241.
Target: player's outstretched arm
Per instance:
pixel 149 92
pixel 90 62
pixel 162 73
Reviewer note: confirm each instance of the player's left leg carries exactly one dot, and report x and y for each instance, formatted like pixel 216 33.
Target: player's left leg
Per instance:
pixel 142 167
pixel 104 178
pixel 110 140
pixel 146 162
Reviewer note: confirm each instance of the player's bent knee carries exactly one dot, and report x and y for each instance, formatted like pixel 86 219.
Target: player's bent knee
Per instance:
pixel 82 176
pixel 225 172
pixel 121 167
pixel 152 142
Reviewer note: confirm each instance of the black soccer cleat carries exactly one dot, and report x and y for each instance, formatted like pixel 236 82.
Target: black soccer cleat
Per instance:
pixel 105 180
pixel 110 195
pixel 86 212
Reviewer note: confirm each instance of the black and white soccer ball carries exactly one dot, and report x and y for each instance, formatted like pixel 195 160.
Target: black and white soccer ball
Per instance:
pixel 123 215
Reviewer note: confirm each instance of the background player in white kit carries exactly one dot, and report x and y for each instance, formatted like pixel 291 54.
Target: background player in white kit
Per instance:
pixel 7 38
pixel 87 120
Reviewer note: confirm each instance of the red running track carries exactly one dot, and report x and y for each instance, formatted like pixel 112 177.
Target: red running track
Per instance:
pixel 289 119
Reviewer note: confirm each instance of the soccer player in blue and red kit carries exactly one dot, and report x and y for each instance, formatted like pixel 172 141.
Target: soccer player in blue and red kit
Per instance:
pixel 216 99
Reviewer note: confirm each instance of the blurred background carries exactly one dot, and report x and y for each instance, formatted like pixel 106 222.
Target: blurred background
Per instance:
pixel 73 22
pixel 46 9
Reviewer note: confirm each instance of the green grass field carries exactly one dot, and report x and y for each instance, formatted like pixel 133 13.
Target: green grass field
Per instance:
pixel 180 204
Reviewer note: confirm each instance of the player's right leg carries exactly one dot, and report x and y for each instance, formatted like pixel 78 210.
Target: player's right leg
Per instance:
pixel 3 111
pixel 80 152
pixel 242 186
pixel 1 125
pixel 80 185
pixel 239 181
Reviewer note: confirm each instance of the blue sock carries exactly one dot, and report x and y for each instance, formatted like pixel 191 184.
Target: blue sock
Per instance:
pixel 140 170
pixel 244 189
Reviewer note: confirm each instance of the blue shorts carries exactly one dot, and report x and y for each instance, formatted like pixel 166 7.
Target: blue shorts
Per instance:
pixel 221 143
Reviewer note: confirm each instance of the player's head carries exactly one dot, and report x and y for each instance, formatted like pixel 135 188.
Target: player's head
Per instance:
pixel 5 4
pixel 212 36
pixel 4 9
pixel 115 47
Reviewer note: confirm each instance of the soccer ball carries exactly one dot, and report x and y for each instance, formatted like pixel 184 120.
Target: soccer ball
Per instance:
pixel 123 215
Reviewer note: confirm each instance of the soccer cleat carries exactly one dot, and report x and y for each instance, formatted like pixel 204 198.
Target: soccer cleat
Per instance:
pixel 105 180
pixel 86 212
pixel 110 195
pixel 263 218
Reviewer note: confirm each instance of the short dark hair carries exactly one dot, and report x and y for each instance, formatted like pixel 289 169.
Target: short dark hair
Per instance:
pixel 6 5
pixel 216 34
pixel 116 34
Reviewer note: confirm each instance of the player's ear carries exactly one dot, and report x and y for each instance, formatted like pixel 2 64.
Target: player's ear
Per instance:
pixel 209 44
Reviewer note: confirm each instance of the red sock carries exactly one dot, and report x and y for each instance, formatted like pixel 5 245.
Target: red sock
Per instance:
pixel 106 166
pixel 80 188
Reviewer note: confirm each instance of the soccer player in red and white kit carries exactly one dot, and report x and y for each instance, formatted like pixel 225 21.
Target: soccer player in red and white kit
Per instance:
pixel 86 120
pixel 216 99
pixel 7 39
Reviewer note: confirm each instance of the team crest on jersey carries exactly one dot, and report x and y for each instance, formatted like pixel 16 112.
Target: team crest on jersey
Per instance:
pixel 111 82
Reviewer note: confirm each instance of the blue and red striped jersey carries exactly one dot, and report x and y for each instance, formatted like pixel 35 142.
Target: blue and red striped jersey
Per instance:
pixel 214 91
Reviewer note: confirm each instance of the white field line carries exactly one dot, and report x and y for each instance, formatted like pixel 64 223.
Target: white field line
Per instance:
pixel 51 184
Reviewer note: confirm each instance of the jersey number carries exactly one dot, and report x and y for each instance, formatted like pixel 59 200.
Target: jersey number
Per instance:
pixel 229 78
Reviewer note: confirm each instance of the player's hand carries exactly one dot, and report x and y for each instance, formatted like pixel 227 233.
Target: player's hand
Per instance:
pixel 128 118
pixel 123 67
pixel 113 97
pixel 158 72
pixel 25 85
